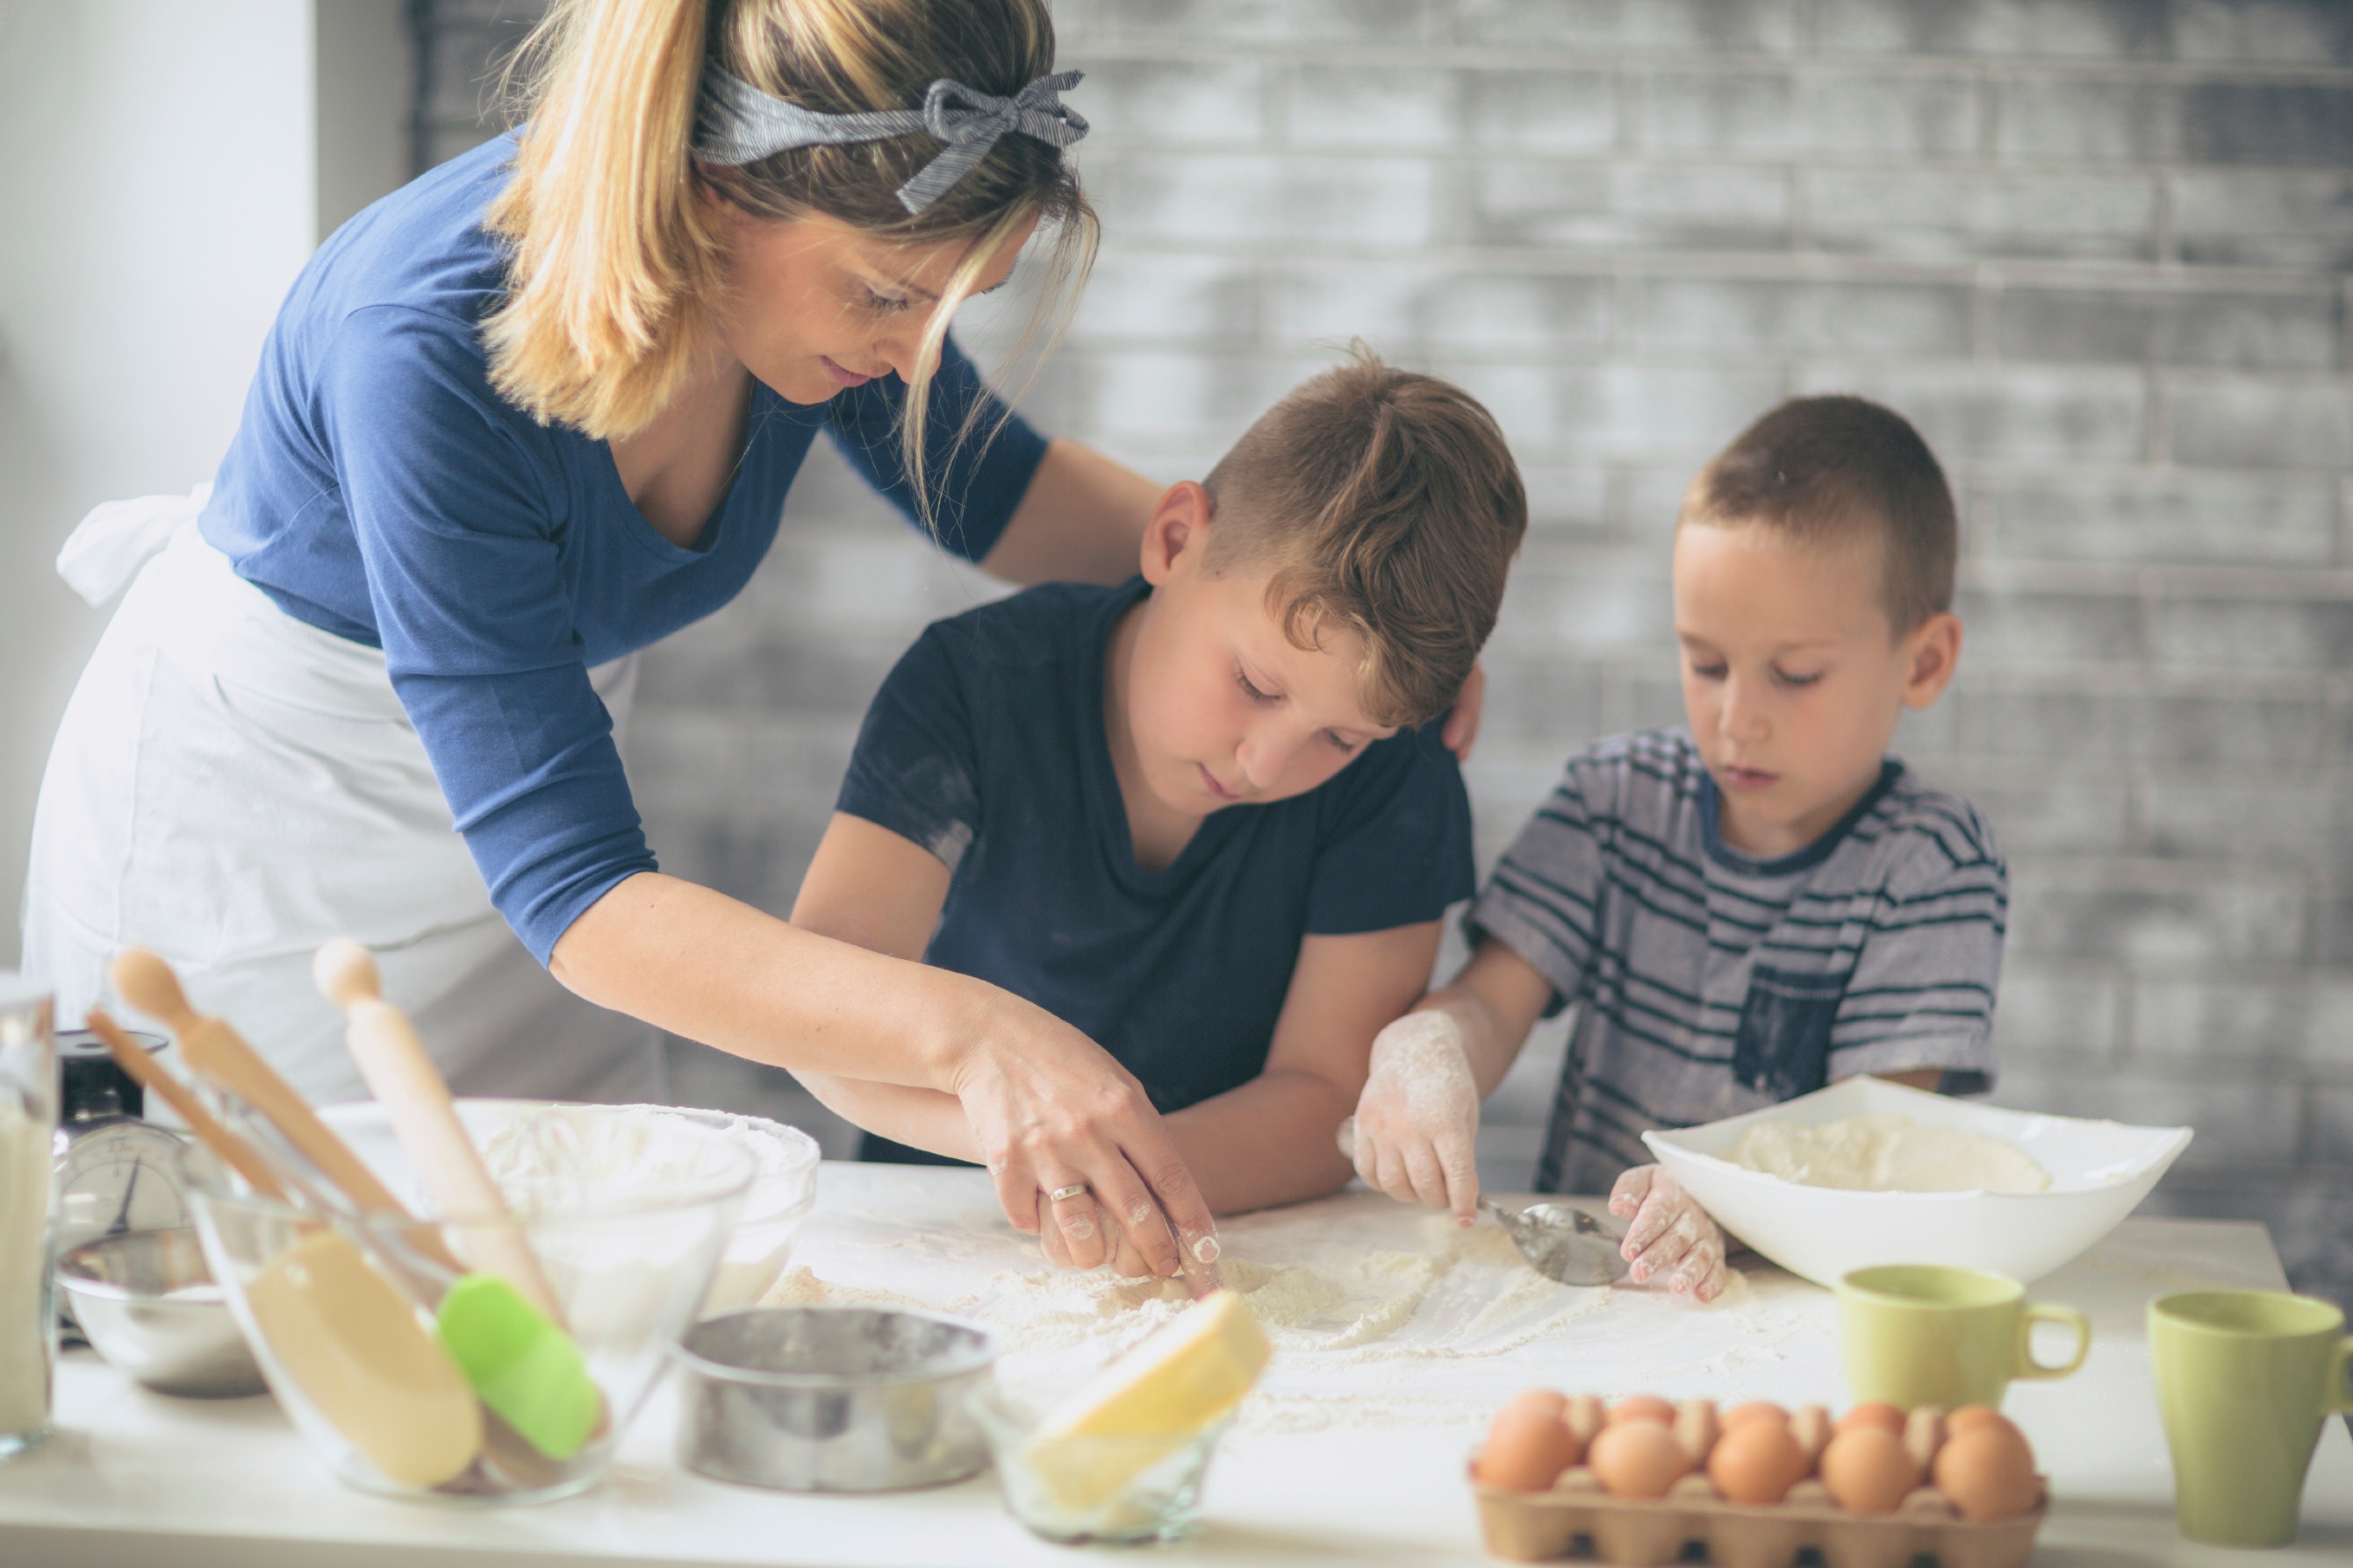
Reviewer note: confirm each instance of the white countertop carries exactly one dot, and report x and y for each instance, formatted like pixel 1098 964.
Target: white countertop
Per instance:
pixel 136 1478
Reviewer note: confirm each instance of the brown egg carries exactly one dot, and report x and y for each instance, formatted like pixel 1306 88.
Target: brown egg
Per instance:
pixel 1988 1472
pixel 1529 1445
pixel 1696 1428
pixel 1867 1470
pixel 1553 1404
pixel 1642 1407
pixel 1586 1417
pixel 1924 1433
pixel 1755 1410
pixel 1968 1417
pixel 1810 1426
pixel 1757 1462
pixel 1638 1459
pixel 1886 1417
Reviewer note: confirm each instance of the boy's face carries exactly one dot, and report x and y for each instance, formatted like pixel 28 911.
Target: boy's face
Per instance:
pixel 1221 707
pixel 1792 679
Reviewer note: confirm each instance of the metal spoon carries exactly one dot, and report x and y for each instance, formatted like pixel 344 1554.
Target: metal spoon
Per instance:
pixel 1559 1241
pixel 1562 1241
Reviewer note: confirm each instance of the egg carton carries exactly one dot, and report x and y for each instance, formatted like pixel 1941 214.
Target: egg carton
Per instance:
pixel 1578 1521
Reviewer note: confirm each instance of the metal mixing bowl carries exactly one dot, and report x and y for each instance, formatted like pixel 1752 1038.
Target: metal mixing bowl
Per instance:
pixel 148 1305
pixel 832 1399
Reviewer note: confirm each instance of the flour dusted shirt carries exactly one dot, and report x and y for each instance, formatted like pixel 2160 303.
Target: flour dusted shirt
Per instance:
pixel 381 489
pixel 1708 982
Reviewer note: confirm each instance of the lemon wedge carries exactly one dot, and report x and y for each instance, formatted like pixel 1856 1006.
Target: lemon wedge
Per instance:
pixel 1150 1402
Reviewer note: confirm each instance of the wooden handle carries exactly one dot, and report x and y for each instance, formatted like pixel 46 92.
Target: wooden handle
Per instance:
pixel 235 1152
pixel 220 1055
pixel 148 983
pixel 402 1076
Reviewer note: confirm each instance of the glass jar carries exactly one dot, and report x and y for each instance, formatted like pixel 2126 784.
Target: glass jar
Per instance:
pixel 28 1125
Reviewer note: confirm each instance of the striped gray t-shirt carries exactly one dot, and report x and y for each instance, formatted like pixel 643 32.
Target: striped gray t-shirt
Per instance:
pixel 1708 982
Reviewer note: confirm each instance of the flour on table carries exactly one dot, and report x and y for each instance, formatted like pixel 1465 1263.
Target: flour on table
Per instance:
pixel 1339 1312
pixel 1883 1153
pixel 800 1287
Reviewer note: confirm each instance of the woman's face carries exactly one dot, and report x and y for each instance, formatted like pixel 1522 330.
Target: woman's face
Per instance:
pixel 816 305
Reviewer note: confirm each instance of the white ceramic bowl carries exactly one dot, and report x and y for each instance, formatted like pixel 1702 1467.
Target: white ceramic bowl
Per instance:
pixel 2099 1172
pixel 782 1192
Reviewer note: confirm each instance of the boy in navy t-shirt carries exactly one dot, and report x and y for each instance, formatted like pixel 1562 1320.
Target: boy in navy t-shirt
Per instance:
pixel 1206 816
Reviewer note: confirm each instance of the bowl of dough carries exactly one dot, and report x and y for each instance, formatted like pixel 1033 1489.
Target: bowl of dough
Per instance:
pixel 521 1139
pixel 1866 1172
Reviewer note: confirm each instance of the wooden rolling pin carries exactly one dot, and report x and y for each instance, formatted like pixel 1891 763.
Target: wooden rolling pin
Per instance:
pixel 336 1327
pixel 151 1076
pixel 408 1086
pixel 218 1053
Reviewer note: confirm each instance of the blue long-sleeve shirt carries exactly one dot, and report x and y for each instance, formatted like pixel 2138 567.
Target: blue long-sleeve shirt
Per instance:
pixel 380 489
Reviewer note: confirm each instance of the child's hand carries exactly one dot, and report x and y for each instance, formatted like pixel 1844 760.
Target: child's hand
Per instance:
pixel 1417 1119
pixel 1670 1232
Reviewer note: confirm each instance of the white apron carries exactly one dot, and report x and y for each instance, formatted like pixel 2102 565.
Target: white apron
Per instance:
pixel 231 787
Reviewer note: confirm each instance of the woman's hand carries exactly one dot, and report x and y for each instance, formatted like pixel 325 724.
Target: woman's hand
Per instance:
pixel 1052 1113
pixel 1670 1232
pixel 1042 1106
pixel 1416 1126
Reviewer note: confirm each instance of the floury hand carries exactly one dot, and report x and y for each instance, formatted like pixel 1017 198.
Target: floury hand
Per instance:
pixel 1415 1135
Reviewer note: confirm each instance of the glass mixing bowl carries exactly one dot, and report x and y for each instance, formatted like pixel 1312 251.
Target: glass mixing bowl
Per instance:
pixel 1126 1490
pixel 341 1313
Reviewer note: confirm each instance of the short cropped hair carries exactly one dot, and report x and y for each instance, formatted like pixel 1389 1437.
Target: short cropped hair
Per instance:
pixel 1385 503
pixel 1837 469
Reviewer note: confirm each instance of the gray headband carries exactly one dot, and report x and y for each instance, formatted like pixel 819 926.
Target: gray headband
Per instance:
pixel 738 123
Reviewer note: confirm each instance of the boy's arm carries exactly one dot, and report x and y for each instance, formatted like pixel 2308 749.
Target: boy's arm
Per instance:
pixel 871 887
pixel 1417 1121
pixel 1271 1141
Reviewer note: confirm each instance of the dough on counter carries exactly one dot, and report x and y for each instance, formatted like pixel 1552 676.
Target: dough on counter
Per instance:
pixel 1885 1153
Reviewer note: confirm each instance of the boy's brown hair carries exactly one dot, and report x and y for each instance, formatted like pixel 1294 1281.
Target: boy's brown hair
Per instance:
pixel 1386 502
pixel 1836 469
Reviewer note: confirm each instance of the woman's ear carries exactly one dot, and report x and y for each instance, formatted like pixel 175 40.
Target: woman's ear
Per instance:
pixel 1178 535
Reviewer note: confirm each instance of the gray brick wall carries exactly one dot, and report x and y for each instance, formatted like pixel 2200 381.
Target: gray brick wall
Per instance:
pixel 2098 249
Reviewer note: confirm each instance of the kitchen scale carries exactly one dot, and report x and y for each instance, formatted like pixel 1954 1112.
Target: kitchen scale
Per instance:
pixel 113 1172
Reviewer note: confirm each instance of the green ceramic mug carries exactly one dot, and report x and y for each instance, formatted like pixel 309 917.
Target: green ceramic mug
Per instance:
pixel 1918 1333
pixel 2244 1379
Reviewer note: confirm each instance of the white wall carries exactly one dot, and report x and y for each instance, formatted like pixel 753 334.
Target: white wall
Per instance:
pixel 161 178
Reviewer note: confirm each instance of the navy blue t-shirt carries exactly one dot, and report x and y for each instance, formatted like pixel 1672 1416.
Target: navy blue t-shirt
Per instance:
pixel 986 747
pixel 381 489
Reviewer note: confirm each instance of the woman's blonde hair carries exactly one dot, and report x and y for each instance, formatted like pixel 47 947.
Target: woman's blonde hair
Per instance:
pixel 616 272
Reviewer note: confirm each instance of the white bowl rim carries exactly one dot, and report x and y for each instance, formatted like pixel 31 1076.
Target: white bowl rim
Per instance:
pixel 2165 1144
pixel 209 1180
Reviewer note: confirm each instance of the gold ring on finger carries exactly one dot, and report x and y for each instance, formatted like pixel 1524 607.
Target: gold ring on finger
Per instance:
pixel 1059 1193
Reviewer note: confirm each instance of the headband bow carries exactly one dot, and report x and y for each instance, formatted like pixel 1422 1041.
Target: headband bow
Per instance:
pixel 738 123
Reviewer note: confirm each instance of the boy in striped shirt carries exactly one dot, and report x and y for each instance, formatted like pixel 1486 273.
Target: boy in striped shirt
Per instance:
pixel 1750 909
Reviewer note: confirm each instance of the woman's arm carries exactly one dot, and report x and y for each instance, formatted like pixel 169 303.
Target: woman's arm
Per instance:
pixel 1081 520
pixel 1271 1140
pixel 1045 1105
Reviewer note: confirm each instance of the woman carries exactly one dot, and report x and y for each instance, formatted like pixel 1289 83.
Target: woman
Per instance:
pixel 518 420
